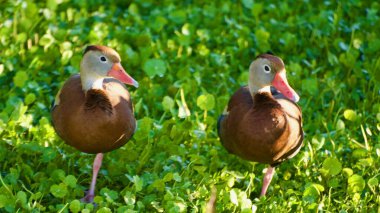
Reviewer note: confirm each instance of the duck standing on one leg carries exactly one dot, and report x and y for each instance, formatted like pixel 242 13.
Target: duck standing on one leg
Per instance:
pixel 261 124
pixel 93 111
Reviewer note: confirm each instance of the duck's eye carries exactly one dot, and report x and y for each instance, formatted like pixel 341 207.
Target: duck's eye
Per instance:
pixel 103 59
pixel 267 68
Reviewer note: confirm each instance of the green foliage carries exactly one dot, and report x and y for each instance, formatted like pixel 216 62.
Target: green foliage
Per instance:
pixel 332 166
pixel 350 115
pixel 153 67
pixel 189 58
pixel 20 78
pixel 356 183
pixel 206 102
pixel 75 206
pixel 312 193
pixel 59 191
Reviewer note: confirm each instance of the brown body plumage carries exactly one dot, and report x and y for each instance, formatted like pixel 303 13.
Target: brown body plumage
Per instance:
pixel 264 129
pixel 98 121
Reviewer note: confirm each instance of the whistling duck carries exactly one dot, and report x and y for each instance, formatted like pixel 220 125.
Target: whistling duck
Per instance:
pixel 93 111
pixel 259 123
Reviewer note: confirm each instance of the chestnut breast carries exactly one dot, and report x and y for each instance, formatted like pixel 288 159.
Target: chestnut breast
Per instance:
pixel 262 129
pixel 97 122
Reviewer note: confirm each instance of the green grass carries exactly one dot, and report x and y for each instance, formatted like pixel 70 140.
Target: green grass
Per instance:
pixel 189 57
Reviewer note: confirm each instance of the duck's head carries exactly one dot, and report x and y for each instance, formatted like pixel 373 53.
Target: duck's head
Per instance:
pixel 100 62
pixel 269 70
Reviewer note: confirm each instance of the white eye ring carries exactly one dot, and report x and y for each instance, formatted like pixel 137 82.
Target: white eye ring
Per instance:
pixel 267 68
pixel 103 59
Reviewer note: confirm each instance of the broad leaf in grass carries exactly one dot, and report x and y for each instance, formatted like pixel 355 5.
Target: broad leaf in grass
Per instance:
pixel 153 67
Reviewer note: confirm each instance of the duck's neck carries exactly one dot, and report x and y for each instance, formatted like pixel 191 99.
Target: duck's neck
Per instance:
pixel 253 89
pixel 91 81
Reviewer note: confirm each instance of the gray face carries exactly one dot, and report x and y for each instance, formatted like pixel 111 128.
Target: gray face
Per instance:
pixel 261 73
pixel 96 62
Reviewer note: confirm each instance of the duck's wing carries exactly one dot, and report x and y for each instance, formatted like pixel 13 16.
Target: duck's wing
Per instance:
pixel 227 125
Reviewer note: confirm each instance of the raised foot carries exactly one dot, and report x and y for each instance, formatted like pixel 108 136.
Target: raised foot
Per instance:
pixel 89 198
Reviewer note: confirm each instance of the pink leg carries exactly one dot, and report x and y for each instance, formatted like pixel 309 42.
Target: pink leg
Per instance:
pixel 95 170
pixel 267 179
